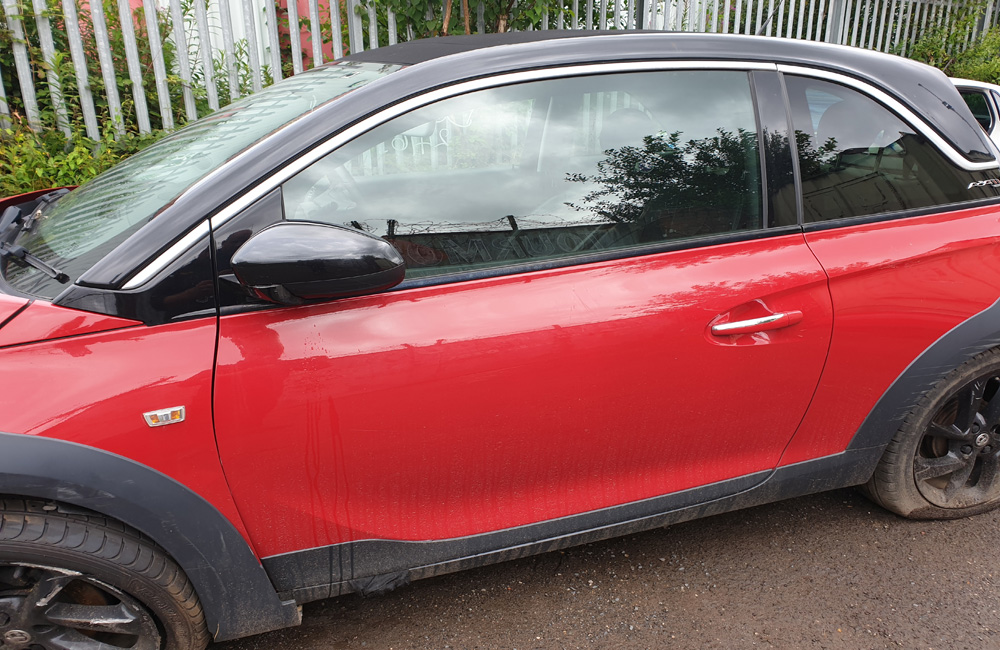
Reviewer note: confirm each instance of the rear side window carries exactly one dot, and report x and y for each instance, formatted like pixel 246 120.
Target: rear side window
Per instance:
pixel 858 158
pixel 979 104
pixel 547 170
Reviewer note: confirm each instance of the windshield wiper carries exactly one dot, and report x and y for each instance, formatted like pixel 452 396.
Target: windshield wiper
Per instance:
pixel 10 224
pixel 24 258
pixel 13 222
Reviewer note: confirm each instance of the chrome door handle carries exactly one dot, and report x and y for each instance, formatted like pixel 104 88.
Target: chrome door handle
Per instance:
pixel 770 322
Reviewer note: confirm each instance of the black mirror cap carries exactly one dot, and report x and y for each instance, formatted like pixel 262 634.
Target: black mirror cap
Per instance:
pixel 293 262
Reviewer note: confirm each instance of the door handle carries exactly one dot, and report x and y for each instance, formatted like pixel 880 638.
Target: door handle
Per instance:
pixel 769 322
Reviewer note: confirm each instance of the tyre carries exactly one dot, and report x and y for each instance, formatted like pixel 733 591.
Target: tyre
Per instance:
pixel 944 462
pixel 74 579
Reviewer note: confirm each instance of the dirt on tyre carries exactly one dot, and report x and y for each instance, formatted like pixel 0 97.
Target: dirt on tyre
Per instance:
pixel 944 462
pixel 74 579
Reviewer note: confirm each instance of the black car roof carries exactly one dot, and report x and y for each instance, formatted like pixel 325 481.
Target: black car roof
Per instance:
pixel 924 89
pixel 425 49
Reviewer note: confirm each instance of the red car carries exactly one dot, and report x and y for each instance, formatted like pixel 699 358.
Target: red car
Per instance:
pixel 468 299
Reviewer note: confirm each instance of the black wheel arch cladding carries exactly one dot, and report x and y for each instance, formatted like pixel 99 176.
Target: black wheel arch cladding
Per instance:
pixel 972 336
pixel 234 590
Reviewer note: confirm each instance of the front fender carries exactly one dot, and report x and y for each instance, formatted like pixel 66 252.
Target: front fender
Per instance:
pixel 235 591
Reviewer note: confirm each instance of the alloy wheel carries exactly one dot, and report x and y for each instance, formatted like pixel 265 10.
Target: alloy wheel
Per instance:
pixel 957 461
pixel 46 608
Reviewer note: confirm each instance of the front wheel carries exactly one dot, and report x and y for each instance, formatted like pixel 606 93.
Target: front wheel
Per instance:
pixel 944 462
pixel 73 580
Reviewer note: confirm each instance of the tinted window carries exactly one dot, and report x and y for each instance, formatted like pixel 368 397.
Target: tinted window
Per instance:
pixel 547 169
pixel 857 158
pixel 980 107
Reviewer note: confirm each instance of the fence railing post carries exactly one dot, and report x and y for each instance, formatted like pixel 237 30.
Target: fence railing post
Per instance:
pixel 354 33
pixel 315 35
pixel 390 19
pixel 80 68
pixel 372 27
pixel 295 36
pixel 205 49
pixel 338 37
pixel 251 26
pixel 834 22
pixel 51 73
pixel 4 108
pixel 22 64
pixel 272 36
pixel 183 62
pixel 107 66
pixel 134 68
pixel 159 68
pixel 229 50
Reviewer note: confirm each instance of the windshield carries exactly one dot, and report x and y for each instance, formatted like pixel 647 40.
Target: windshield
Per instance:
pixel 82 227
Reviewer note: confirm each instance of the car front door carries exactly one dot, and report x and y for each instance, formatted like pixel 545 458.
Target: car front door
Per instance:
pixel 600 308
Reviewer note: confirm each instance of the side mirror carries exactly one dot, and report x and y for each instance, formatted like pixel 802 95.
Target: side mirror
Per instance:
pixel 293 262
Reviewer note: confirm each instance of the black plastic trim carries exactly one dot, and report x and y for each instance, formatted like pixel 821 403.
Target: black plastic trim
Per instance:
pixel 356 566
pixel 606 256
pixel 776 146
pixel 185 291
pixel 961 343
pixel 766 209
pixel 234 590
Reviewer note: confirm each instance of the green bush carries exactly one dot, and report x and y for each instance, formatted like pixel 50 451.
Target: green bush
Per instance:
pixel 36 161
pixel 981 61
pixel 947 47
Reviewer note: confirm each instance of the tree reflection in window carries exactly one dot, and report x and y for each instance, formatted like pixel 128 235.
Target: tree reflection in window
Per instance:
pixel 673 188
pixel 857 158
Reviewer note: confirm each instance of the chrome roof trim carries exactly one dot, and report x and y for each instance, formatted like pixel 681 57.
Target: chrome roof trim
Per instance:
pixel 391 112
pixel 915 120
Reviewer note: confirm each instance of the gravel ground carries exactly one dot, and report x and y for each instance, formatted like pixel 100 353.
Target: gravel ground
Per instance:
pixel 826 571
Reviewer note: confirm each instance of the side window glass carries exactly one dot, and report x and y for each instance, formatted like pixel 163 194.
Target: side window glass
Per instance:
pixel 980 107
pixel 547 170
pixel 858 158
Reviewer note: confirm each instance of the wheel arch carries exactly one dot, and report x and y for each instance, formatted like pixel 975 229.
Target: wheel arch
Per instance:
pixel 235 592
pixel 961 343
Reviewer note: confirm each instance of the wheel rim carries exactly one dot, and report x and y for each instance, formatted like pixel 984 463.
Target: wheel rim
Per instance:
pixel 44 608
pixel 957 463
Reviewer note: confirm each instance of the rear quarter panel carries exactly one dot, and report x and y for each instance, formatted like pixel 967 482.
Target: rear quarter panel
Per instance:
pixel 897 287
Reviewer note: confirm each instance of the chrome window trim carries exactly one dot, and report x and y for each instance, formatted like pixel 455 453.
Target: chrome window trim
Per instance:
pixel 183 244
pixel 392 112
pixel 915 120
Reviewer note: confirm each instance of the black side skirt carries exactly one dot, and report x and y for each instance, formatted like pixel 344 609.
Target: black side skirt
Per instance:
pixel 375 565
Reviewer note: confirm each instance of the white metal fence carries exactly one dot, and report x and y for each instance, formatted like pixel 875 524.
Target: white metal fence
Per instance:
pixel 169 61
